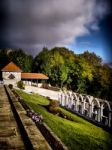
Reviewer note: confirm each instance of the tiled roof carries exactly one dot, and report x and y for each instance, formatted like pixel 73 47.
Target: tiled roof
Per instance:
pixel 11 67
pixel 33 76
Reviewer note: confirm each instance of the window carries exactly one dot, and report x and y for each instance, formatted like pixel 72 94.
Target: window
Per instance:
pixel 11 76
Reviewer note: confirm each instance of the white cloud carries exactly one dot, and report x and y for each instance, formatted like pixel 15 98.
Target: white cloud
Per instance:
pixel 52 22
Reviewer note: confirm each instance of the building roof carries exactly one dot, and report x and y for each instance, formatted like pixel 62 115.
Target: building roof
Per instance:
pixel 33 76
pixel 11 67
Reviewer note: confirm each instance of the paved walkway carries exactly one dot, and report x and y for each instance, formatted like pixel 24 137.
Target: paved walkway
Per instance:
pixel 10 137
pixel 41 91
pixel 17 130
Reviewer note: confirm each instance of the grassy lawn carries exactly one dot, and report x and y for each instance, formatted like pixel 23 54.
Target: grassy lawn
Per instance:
pixel 77 134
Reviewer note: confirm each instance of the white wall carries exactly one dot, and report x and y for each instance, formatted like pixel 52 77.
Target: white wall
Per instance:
pixel 6 80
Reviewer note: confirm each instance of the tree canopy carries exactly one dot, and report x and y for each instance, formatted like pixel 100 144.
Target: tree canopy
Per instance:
pixel 84 73
pixel 19 57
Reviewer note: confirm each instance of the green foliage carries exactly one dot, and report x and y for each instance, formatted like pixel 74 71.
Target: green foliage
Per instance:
pixel 54 103
pixel 80 74
pixel 10 86
pixel 41 62
pixel 4 59
pixel 23 60
pixel 91 58
pixel 101 82
pixel 19 57
pixel 84 73
pixel 20 85
pixel 77 134
pixel 41 100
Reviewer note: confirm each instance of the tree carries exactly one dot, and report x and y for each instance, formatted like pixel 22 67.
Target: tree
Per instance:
pixel 66 70
pixel 101 82
pixel 63 75
pixel 20 58
pixel 41 62
pixel 52 63
pixel 91 58
pixel 4 59
pixel 56 62
pixel 82 73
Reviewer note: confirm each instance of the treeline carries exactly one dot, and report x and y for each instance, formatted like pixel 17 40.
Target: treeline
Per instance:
pixel 84 73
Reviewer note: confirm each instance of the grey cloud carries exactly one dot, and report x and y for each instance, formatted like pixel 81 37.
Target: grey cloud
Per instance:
pixel 37 23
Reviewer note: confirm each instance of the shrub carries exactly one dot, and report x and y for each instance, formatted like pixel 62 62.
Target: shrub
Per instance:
pixel 20 85
pixel 54 104
pixel 10 86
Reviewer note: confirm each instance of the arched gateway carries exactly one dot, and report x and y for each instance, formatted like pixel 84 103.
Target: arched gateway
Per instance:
pixel 94 108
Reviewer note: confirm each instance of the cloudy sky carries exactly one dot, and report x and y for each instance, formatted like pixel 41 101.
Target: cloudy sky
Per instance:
pixel 76 24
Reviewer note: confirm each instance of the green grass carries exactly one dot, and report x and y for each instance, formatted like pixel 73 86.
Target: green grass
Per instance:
pixel 77 134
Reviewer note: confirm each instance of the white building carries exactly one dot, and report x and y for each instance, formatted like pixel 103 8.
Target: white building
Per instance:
pixel 11 74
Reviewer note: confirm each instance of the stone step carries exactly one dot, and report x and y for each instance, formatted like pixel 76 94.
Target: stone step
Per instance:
pixel 8 132
pixel 4 117
pixel 7 124
pixel 10 136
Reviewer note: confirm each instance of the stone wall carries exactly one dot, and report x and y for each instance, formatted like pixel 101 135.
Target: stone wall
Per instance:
pixel 52 139
pixel 30 132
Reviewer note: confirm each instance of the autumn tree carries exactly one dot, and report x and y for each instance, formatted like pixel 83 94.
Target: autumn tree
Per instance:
pixel 83 73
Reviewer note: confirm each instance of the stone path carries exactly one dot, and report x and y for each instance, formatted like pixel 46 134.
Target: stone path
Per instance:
pixel 17 130
pixel 10 137
pixel 41 91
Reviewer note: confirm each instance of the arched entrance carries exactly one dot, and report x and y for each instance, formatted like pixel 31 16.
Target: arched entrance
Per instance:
pixel 80 104
pixel 87 106
pixel 106 113
pixel 95 109
pixel 75 101
pixel 69 95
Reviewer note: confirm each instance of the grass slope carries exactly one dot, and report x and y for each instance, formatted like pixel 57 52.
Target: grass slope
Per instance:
pixel 78 134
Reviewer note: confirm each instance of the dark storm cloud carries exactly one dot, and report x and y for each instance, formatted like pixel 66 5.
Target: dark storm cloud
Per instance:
pixel 3 22
pixel 106 26
pixel 33 24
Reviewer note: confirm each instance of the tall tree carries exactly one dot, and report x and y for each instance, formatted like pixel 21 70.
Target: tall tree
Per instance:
pixel 23 60
pixel 91 58
pixel 82 73
pixel 41 62
pixel 4 59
